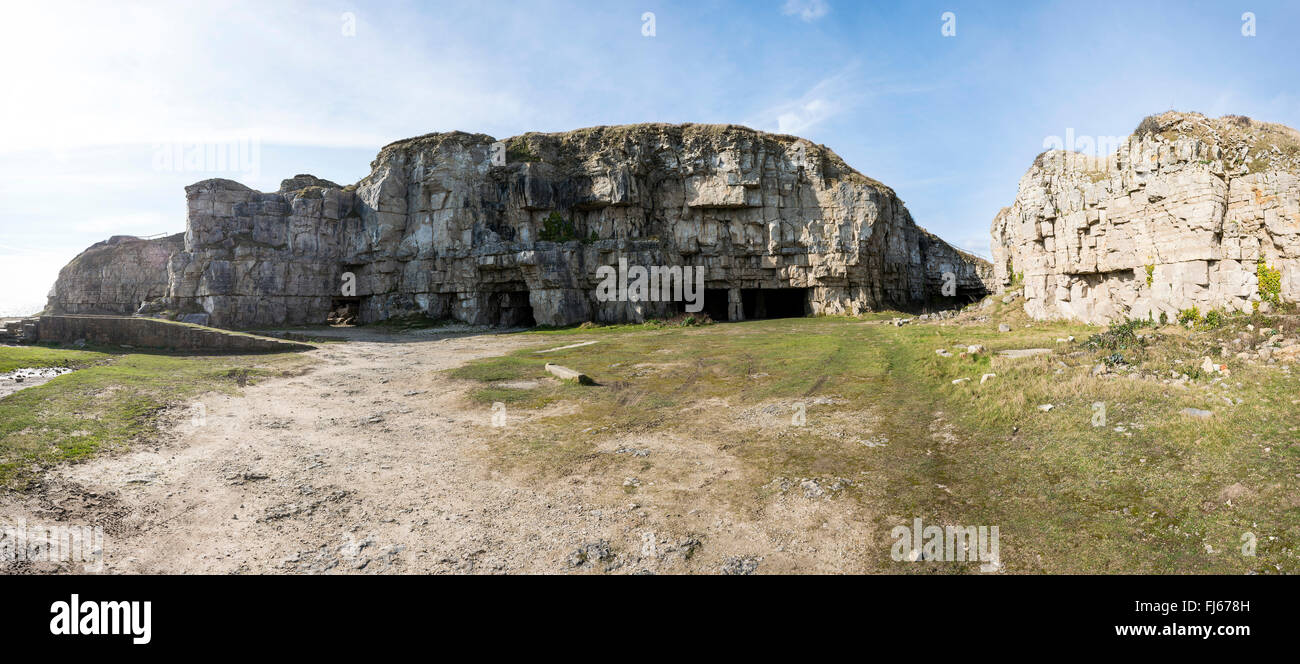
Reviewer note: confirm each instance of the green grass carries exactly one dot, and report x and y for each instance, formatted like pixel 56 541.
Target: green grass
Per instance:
pixel 26 357
pixel 1069 497
pixel 114 399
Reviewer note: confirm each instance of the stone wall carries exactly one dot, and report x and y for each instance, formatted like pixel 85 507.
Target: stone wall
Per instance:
pixel 152 333
pixel 115 276
pixel 439 228
pixel 1177 218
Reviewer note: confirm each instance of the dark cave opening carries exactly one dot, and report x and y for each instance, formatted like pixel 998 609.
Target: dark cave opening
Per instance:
pixel 715 304
pixel 512 308
pixel 343 311
pixel 774 302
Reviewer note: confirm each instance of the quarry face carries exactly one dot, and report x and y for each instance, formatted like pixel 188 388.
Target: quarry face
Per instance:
pixel 515 232
pixel 1189 212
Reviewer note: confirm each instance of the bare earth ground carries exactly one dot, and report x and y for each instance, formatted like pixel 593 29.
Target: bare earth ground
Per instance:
pixel 374 462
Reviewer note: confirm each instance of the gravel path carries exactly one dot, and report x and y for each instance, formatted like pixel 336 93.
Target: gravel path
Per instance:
pixel 373 462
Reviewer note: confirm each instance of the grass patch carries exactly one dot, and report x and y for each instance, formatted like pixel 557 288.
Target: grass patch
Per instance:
pixel 114 400
pixel 28 357
pixel 1140 494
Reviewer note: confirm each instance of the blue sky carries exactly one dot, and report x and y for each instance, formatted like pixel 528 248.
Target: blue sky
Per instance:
pixel 96 94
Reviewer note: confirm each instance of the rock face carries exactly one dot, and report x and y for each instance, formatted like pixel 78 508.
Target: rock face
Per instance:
pixel 504 233
pixel 115 276
pixel 1179 217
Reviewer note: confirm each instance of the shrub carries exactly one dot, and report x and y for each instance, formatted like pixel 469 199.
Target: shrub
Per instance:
pixel 1189 317
pixel 1270 283
pixel 517 150
pixel 1213 319
pixel 1118 337
pixel 1151 274
pixel 556 228
pixel 1149 125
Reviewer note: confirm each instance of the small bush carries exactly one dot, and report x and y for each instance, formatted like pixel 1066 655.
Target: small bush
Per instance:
pixel 556 228
pixel 1118 337
pixel 1189 317
pixel 1149 125
pixel 1270 283
pixel 518 151
pixel 1151 274
pixel 1214 319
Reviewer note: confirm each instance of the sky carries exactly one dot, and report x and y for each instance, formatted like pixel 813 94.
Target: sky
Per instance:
pixel 946 102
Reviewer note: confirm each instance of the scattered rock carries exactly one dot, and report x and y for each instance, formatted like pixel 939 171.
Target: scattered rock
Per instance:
pixel 740 565
pixel 565 373
pixel 591 553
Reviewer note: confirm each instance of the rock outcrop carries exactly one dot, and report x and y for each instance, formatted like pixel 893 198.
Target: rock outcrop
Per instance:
pixel 462 226
pixel 1180 216
pixel 115 276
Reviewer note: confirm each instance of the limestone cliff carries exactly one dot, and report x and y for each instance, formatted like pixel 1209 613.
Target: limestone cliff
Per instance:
pixel 115 276
pixel 1179 217
pixel 448 226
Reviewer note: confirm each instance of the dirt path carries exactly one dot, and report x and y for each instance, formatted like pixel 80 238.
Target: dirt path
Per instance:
pixel 373 463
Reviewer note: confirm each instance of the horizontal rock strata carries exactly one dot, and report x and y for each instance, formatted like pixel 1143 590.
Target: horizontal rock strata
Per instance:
pixel 458 225
pixel 1179 217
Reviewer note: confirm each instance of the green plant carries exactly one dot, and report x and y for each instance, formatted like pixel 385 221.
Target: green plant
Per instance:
pixel 1118 337
pixel 1213 319
pixel 518 151
pixel 556 228
pixel 1189 317
pixel 1151 274
pixel 1270 283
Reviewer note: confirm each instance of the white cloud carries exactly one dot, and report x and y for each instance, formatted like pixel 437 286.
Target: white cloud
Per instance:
pixel 804 115
pixel 808 10
pixel 829 97
pixel 100 74
pixel 26 277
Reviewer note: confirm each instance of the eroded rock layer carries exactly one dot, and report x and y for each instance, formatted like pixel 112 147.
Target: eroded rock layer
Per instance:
pixel 1179 217
pixel 115 276
pixel 443 228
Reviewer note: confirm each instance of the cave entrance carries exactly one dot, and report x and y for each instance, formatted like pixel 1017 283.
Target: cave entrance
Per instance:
pixel 774 302
pixel 512 308
pixel 344 311
pixel 715 304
